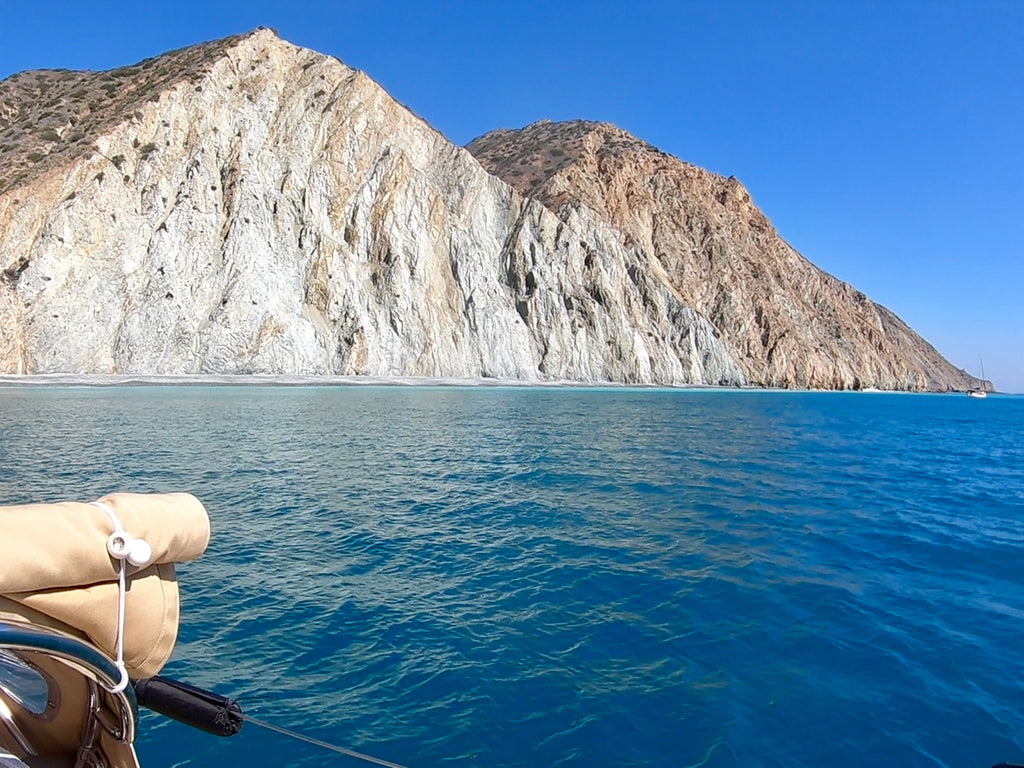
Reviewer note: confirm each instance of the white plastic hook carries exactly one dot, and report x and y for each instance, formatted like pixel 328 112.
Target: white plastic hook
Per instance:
pixel 119 544
pixel 124 546
pixel 125 549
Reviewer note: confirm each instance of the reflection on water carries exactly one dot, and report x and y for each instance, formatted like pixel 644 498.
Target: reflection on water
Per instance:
pixel 591 577
pixel 22 684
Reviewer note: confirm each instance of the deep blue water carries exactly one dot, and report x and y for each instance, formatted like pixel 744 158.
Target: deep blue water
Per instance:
pixel 523 577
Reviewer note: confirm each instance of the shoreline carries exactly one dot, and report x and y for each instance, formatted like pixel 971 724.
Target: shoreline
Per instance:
pixel 295 380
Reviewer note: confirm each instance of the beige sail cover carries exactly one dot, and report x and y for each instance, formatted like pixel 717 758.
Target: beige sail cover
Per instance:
pixel 55 570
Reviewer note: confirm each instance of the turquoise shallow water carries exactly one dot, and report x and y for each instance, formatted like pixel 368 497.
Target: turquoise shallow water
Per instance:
pixel 521 577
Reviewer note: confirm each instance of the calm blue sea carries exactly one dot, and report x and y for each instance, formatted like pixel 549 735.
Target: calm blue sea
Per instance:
pixel 535 577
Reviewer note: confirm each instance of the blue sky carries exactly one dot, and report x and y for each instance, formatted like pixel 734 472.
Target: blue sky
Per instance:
pixel 883 139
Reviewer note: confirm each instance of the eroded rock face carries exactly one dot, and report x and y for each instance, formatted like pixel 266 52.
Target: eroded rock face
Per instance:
pixel 248 206
pixel 788 323
pixel 277 212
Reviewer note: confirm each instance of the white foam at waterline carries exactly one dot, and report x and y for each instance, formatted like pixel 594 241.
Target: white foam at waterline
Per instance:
pixel 108 380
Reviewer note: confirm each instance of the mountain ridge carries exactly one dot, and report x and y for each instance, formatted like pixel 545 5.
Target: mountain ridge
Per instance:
pixel 718 252
pixel 60 108
pixel 249 206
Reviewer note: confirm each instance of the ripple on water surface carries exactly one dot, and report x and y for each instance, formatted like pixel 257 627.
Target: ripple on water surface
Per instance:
pixel 520 577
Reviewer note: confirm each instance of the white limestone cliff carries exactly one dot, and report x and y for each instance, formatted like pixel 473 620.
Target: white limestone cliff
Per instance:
pixel 281 213
pixel 248 206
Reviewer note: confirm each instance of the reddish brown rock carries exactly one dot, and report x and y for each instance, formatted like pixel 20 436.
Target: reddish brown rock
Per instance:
pixel 788 323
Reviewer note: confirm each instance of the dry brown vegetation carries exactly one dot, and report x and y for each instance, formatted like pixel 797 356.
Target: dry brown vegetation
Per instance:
pixel 528 157
pixel 49 117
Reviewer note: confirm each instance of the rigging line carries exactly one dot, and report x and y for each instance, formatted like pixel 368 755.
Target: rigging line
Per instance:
pixel 324 744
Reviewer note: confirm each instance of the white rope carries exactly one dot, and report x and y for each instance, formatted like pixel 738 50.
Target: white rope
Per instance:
pixel 122 590
pixel 324 744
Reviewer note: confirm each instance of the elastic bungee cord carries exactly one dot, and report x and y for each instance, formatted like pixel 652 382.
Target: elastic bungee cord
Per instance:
pixel 125 549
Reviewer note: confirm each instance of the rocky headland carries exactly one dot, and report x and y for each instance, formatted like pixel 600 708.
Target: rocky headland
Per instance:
pixel 246 206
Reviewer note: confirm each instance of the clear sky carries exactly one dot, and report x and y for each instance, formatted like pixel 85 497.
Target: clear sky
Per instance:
pixel 882 138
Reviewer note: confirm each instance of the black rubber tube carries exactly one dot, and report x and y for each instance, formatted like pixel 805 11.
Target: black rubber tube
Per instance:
pixel 190 705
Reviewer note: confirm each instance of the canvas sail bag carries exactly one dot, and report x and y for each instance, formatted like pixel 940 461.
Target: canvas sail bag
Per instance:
pixel 55 571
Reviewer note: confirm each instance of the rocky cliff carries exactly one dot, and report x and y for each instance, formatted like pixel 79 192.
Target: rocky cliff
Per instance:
pixel 786 322
pixel 247 206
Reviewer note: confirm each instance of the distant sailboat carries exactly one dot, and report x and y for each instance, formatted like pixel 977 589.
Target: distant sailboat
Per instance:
pixel 979 392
